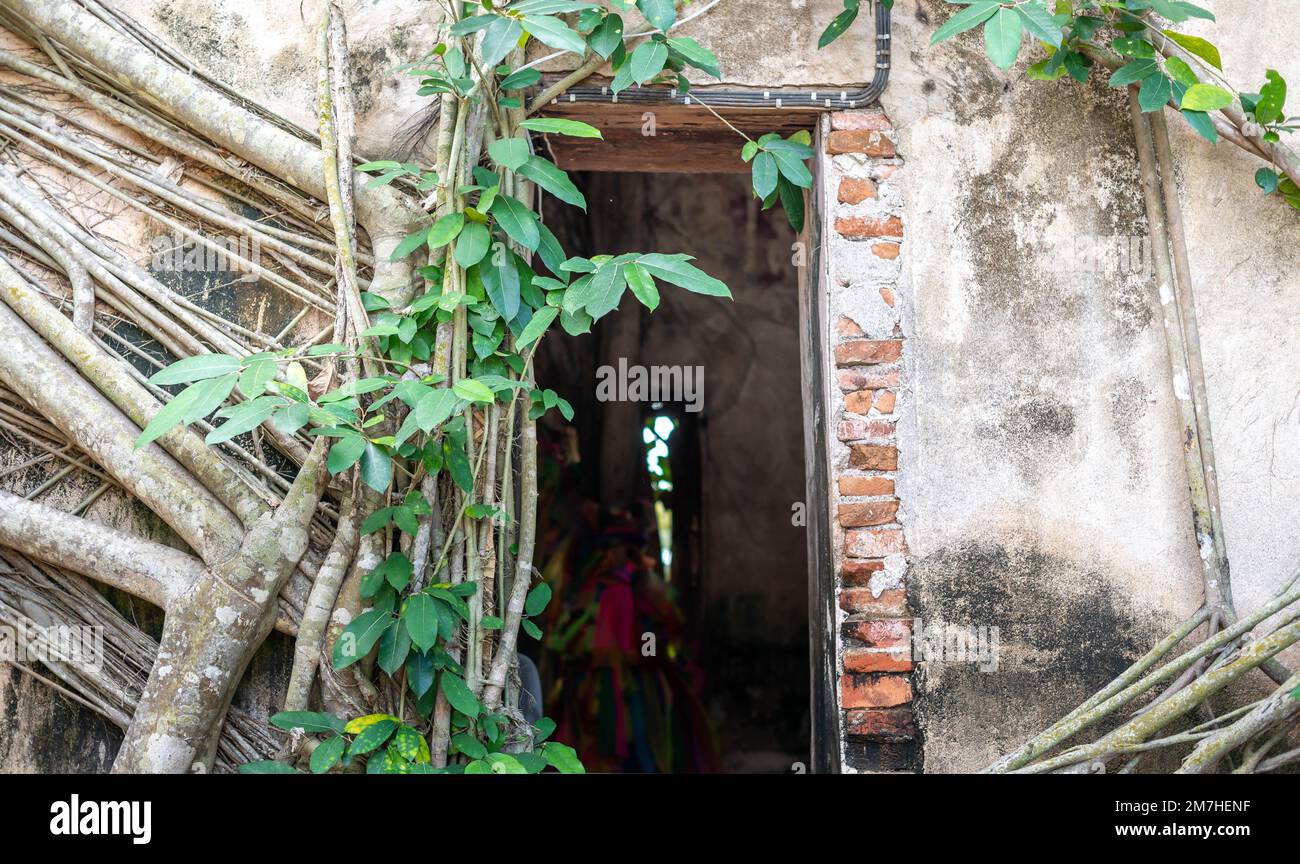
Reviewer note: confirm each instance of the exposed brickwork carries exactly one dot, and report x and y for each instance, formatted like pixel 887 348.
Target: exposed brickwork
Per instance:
pixel 864 141
pixel 870 690
pixel 869 355
pixel 855 191
pixel 858 485
pixel 886 724
pixel 867 227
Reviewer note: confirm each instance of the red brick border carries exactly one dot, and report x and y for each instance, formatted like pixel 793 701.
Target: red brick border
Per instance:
pixel 877 722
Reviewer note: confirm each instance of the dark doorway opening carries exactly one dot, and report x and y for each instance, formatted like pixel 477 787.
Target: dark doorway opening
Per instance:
pixel 669 521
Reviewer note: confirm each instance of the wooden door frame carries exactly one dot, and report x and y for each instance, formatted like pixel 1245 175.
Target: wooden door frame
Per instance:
pixel 689 139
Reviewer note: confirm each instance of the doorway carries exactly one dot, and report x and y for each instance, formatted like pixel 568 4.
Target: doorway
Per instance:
pixel 670 524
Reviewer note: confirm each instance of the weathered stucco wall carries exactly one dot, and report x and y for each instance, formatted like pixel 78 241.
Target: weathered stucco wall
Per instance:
pixel 1044 486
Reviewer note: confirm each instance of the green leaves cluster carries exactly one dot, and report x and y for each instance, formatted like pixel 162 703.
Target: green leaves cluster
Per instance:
pixel 1074 32
pixel 779 172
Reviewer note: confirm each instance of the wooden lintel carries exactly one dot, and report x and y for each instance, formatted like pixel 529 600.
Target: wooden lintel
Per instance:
pixel 686 138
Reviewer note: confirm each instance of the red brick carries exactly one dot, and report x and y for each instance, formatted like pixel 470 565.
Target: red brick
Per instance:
pixel 868 142
pixel 858 573
pixel 874 457
pixel 878 543
pixel 861 228
pixel 848 328
pixel 860 515
pixel 866 379
pixel 859 402
pixel 874 691
pixel 888 724
pixel 880 633
pixel 853 484
pixel 888 251
pixel 861 601
pixel 855 191
pixel 875 121
pixel 868 660
pixel 885 400
pixel 887 294
pixel 857 430
pixel 867 352
pixel 883 172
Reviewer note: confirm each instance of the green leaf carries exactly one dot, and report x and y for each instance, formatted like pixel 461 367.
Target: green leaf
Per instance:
pixel 1002 36
pixel 1154 93
pixel 197 368
pixel 500 277
pixel 473 391
pixel 521 79
pixel 1203 125
pixel 538 597
pixel 372 736
pixel 605 290
pixel 642 285
pixel 421 619
pixel 360 636
pixel 838 25
pixel 607 36
pixel 473 243
pixel 1182 73
pixel 317 722
pixel 1206 97
pixel 244 417
pixel 420 671
pixel 410 745
pixel 499 39
pixel 327 754
pixel 445 230
pixel 345 454
pixel 531 629
pixel 460 696
pixel 562 757
pixel 536 326
pixel 1266 179
pixel 1131 73
pixel 648 61
pixel 765 173
pixel 792 168
pixel 193 403
pixel 695 54
pixel 677 270
pixel 409 244
pixel 394 646
pixel 1040 23
pixel 545 728
pixel 660 13
pixel 509 152
pixel 252 381
pixel 376 467
pixel 792 203
pixel 434 408
pixel 1272 99
pixel 553 180
pixel 1197 46
pixel 554 32
pixel 972 16
pixel 519 223
pixel 469 745
pixel 267 766
pixel 559 126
